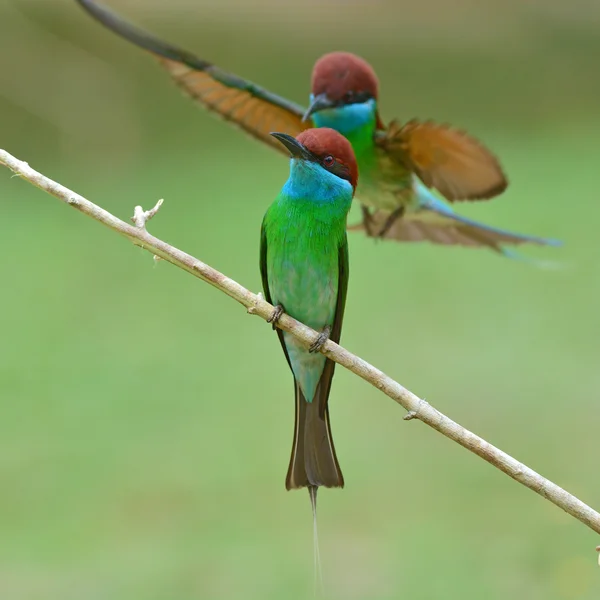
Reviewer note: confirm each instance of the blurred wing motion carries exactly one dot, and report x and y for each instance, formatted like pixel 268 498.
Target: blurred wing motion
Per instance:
pixel 435 222
pixel 447 159
pixel 448 230
pixel 256 110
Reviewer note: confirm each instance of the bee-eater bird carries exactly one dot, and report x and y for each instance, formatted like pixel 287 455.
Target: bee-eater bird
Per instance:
pixel 304 269
pixel 399 163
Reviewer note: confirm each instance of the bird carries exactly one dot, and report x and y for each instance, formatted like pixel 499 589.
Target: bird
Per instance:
pixel 400 163
pixel 304 271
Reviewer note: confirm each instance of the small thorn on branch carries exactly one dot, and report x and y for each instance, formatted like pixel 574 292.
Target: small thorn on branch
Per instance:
pixel 598 550
pixel 252 309
pixel 410 415
pixel 141 216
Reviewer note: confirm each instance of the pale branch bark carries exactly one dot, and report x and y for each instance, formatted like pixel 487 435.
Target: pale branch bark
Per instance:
pixel 141 216
pixel 255 304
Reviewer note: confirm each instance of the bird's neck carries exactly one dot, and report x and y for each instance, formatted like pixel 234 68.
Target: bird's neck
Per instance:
pixel 357 122
pixel 310 182
pixel 312 190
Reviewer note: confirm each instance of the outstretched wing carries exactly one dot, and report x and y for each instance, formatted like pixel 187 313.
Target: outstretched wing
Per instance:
pixel 243 103
pixel 444 158
pixel 448 228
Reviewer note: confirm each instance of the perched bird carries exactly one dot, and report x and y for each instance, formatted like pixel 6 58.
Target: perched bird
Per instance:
pixel 304 269
pixel 399 164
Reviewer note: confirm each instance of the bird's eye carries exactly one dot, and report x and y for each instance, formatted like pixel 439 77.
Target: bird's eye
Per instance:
pixel 349 96
pixel 328 161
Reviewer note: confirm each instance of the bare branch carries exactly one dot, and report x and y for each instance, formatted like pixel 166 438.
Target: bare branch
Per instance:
pixel 141 216
pixel 255 304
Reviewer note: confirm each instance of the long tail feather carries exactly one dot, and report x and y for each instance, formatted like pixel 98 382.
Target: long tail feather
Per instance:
pixel 546 265
pixel 318 583
pixel 427 201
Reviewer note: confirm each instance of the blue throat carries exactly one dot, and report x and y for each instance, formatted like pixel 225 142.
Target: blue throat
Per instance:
pixel 347 119
pixel 309 181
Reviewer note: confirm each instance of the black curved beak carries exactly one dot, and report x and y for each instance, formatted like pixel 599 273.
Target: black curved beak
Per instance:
pixel 296 149
pixel 319 102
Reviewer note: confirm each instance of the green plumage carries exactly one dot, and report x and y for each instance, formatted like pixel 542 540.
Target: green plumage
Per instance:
pixel 304 268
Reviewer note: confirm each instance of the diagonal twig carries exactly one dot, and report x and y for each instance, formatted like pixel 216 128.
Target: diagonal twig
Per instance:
pixel 418 409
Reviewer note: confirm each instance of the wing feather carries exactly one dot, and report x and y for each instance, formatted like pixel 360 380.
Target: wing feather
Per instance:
pixel 446 230
pixel 243 103
pixel 447 159
pixel 336 328
pixel 265 283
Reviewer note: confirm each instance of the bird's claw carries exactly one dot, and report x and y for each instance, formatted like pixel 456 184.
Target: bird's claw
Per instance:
pixel 275 315
pixel 323 337
pixel 367 220
pixel 391 219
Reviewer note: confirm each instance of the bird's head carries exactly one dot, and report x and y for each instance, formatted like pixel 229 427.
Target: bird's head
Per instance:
pixel 342 80
pixel 324 151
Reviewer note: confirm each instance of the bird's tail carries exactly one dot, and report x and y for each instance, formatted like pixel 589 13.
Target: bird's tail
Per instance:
pixel 313 462
pixel 464 231
pixel 318 571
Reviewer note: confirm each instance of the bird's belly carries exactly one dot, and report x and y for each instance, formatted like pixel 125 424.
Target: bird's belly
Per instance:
pixel 383 184
pixel 378 195
pixel 308 292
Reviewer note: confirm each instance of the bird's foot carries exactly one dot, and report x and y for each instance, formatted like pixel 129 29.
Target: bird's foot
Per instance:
pixel 275 315
pixel 367 220
pixel 323 337
pixel 391 219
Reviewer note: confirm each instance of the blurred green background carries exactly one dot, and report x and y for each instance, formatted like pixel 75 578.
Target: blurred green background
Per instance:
pixel 146 420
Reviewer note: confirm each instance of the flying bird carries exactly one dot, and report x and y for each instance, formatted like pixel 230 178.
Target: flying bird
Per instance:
pixel 400 163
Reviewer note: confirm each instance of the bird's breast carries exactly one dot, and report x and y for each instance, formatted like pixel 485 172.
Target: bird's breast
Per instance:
pixel 383 183
pixel 305 285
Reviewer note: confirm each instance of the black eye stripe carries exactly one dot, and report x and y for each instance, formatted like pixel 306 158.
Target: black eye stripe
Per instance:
pixel 337 168
pixel 342 171
pixel 355 98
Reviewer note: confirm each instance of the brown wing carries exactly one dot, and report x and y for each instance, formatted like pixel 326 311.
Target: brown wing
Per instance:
pixel 243 103
pixel 239 101
pixel 444 158
pixel 448 229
